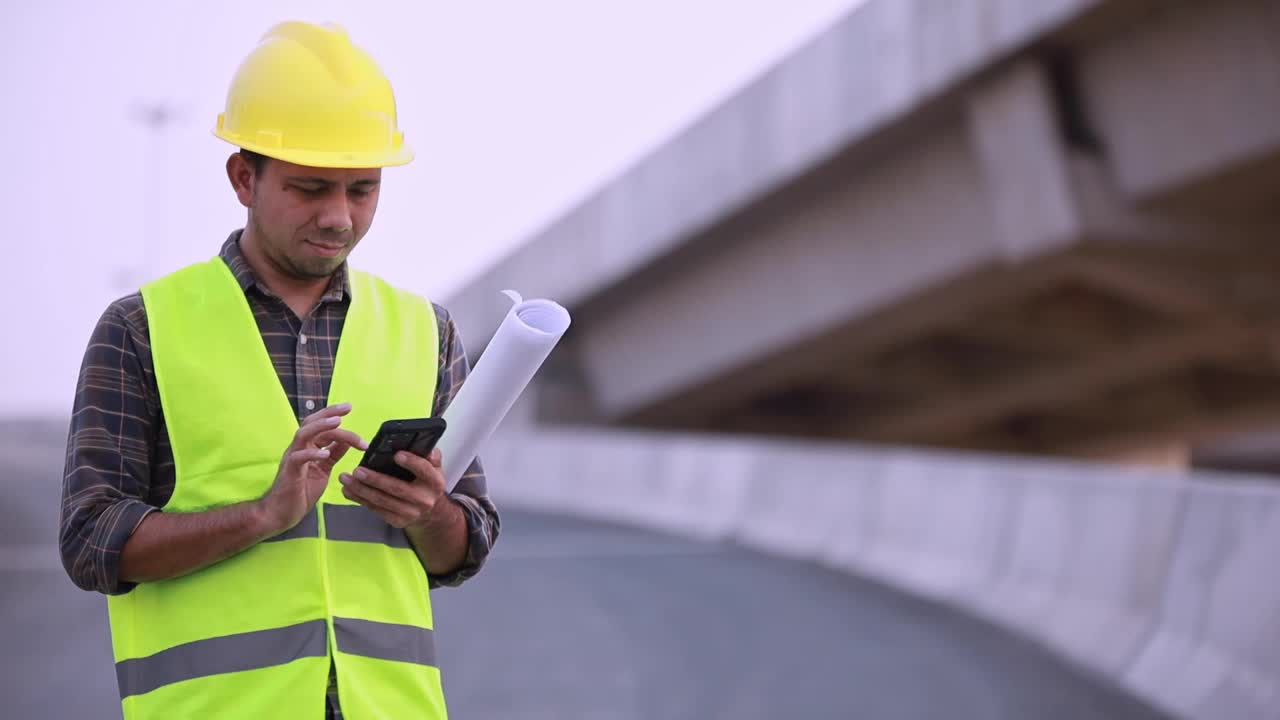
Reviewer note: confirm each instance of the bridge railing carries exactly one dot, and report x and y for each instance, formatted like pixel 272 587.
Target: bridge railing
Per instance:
pixel 1165 583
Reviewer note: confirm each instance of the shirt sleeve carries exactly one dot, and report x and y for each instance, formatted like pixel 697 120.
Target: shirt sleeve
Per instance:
pixel 471 493
pixel 107 476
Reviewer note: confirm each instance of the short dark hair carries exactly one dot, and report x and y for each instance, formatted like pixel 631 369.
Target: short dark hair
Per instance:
pixel 257 160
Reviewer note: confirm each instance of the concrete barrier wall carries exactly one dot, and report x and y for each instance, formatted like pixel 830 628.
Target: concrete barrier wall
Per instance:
pixel 658 481
pixel 940 544
pixel 1215 649
pixel 774 518
pixel 1163 583
pixel 1088 553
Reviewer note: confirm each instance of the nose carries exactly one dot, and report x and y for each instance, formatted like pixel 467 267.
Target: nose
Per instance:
pixel 335 215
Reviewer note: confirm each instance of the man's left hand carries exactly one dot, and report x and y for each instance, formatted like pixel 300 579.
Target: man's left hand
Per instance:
pixel 415 504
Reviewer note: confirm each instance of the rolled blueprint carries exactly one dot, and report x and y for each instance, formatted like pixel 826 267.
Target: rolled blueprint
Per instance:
pixel 523 341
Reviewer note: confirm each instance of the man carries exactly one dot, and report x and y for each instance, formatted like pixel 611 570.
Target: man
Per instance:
pixel 210 487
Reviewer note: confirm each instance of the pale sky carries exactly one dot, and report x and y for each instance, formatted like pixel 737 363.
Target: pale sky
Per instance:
pixel 516 111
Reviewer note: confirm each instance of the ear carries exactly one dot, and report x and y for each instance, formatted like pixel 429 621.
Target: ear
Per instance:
pixel 242 178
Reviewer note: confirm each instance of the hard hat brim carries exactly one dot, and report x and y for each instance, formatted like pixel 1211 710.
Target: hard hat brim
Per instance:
pixel 312 158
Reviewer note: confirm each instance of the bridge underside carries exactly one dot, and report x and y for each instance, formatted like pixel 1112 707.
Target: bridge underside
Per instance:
pixel 1076 251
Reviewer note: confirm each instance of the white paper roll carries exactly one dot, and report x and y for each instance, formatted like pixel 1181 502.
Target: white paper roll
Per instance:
pixel 523 341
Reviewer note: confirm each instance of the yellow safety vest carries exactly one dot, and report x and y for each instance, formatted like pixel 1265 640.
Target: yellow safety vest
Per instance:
pixel 253 636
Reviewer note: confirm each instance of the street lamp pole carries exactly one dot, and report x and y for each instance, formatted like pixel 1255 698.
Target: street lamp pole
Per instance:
pixel 156 118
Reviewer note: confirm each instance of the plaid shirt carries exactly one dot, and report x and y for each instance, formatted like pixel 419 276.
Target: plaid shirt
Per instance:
pixel 119 464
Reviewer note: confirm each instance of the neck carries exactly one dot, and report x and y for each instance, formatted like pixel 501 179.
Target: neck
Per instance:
pixel 301 294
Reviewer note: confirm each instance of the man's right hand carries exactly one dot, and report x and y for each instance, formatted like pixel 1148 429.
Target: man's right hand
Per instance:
pixel 307 463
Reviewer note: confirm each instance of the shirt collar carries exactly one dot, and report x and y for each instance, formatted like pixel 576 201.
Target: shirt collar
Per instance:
pixel 339 286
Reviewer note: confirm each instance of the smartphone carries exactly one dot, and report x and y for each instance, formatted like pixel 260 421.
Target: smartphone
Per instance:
pixel 416 435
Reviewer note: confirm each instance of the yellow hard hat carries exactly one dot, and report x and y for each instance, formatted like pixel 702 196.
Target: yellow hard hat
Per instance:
pixel 306 95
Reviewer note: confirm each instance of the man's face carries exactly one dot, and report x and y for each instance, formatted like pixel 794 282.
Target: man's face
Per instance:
pixel 308 219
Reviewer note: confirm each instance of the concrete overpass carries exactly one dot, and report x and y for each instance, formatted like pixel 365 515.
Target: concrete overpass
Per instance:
pixel 1044 227
pixel 825 319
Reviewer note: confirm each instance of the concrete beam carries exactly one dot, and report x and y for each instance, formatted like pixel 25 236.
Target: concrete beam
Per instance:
pixel 1024 161
pixel 882 63
pixel 967 407
pixel 837 355
pixel 1149 288
pixel 1187 104
pixel 864 243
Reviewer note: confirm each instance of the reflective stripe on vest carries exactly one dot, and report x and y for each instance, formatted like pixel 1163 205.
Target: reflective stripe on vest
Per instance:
pixel 265 648
pixel 254 635
pixel 350 523
pixel 214 656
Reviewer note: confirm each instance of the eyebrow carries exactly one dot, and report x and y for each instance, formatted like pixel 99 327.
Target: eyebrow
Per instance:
pixel 302 180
